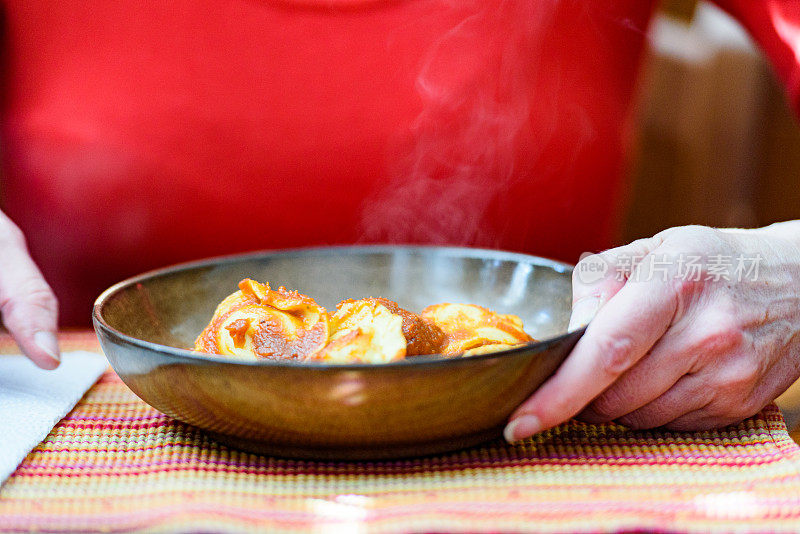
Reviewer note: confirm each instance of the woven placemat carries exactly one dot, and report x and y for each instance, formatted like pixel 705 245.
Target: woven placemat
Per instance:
pixel 115 464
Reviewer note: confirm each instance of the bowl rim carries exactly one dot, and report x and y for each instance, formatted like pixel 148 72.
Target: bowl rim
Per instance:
pixel 417 361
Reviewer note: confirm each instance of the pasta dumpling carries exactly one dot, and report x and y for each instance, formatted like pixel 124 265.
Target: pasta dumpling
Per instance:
pixel 364 331
pixel 258 322
pixel 472 329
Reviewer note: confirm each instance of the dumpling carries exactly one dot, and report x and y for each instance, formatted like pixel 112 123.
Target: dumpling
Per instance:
pixel 364 331
pixel 422 336
pixel 259 322
pixel 472 329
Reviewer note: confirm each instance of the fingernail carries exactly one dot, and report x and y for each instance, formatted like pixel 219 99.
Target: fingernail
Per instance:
pixel 48 343
pixel 522 427
pixel 583 311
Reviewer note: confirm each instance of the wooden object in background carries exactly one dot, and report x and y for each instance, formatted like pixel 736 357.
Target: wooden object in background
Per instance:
pixel 700 136
pixel 682 9
pixel 778 178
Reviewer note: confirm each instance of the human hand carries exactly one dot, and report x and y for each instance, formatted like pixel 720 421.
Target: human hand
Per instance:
pixel 668 349
pixel 27 304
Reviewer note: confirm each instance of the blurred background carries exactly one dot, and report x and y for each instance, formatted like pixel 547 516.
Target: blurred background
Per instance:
pixel 717 141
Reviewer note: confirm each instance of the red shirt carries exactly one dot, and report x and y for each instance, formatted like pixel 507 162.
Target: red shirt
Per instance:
pixel 139 134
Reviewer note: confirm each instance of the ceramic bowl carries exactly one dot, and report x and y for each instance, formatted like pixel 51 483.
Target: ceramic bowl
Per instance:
pixel 422 405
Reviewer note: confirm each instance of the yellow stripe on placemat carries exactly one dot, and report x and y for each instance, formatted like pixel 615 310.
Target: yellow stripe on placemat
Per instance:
pixel 115 464
pixel 77 339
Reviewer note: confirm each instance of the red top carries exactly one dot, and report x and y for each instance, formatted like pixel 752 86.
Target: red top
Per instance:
pixel 139 134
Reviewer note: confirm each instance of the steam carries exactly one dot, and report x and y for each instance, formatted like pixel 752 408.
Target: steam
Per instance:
pixel 475 85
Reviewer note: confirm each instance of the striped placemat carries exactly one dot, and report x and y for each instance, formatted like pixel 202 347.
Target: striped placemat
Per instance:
pixel 117 465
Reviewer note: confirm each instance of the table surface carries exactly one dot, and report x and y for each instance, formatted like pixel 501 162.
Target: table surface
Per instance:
pixel 789 403
pixel 116 464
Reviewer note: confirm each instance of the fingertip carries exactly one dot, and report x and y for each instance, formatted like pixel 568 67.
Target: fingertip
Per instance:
pixel 41 348
pixel 48 363
pixel 48 355
pixel 583 311
pixel 39 357
pixel 521 427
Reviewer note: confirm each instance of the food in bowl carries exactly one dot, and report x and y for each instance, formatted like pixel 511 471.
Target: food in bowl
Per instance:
pixel 258 322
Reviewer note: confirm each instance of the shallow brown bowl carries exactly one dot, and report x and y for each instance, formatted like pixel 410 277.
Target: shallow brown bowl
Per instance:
pixel 422 405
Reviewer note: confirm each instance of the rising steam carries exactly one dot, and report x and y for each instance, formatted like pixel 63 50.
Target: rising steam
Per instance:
pixel 475 85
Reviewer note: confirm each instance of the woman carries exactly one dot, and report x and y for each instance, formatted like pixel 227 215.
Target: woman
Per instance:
pixel 141 134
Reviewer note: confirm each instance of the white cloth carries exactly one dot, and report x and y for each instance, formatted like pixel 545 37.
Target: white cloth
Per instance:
pixel 33 401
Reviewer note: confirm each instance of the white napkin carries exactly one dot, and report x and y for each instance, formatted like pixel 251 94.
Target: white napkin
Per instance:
pixel 33 401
